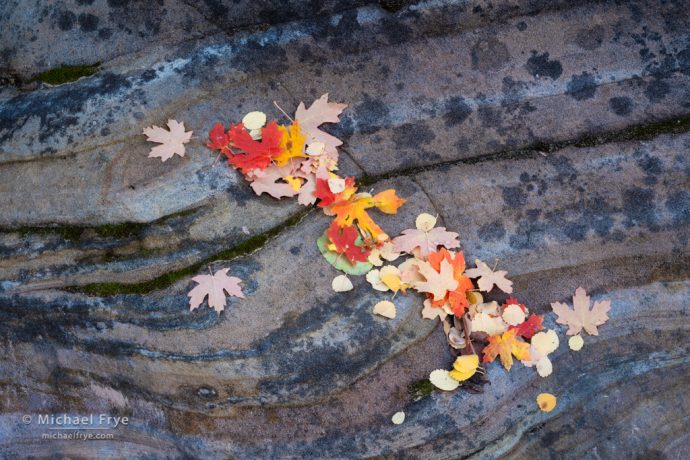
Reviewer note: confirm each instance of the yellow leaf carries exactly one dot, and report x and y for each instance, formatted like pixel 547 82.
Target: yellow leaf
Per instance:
pixel 464 367
pixel 294 182
pixel 292 144
pixel 546 402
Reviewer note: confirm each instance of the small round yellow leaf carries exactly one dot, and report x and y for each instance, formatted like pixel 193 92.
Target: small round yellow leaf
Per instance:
pixel 546 402
pixel 425 222
pixel 385 308
pixel 442 380
pixel 576 342
pixel 398 418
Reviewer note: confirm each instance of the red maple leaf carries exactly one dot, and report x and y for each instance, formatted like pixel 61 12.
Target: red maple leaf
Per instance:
pixel 530 326
pixel 323 192
pixel 219 139
pixel 254 154
pixel 344 241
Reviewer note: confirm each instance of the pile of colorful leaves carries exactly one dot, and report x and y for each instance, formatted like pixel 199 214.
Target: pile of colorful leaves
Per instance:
pixel 300 159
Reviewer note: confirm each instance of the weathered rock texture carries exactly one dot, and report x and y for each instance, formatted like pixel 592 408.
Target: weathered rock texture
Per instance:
pixel 552 135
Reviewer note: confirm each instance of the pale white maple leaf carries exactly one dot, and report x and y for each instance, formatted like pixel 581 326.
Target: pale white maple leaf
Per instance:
pixel 581 316
pixel 172 142
pixel 309 119
pixel 436 283
pixel 421 243
pixel 488 278
pixel 215 287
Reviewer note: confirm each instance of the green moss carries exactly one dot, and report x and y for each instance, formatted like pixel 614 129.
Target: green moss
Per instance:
pixel 123 230
pixel 420 389
pixel 244 248
pixel 67 73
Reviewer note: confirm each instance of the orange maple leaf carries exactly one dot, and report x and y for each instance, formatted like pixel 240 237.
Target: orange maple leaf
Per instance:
pixel 353 208
pixel 457 299
pixel 506 346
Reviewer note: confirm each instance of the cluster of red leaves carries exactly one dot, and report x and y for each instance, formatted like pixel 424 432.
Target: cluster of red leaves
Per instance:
pixel 300 159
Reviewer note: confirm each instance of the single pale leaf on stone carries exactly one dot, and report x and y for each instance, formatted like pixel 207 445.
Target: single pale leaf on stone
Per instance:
pixel 172 141
pixel 341 283
pixel 488 278
pixel 442 380
pixel 215 287
pixel 581 317
pixel 385 308
pixel 398 418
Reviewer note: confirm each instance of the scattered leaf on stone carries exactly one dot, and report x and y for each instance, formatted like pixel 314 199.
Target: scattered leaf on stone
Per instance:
pixel 215 287
pixel 581 317
pixel 398 418
pixel 488 278
pixel 576 342
pixel 442 380
pixel 172 141
pixel 341 283
pixel 385 308
pixel 546 402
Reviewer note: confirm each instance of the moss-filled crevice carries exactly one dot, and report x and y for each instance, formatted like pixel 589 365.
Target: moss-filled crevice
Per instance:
pixel 244 248
pixel 122 230
pixel 67 73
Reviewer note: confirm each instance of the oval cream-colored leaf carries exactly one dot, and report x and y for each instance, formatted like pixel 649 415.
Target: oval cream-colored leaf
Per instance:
pixel 544 367
pixel 254 120
pixel 341 283
pixel 425 222
pixel 336 184
pixel 398 418
pixel 442 380
pixel 385 308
